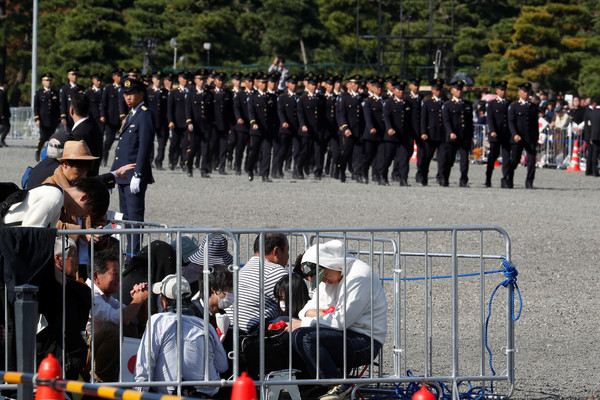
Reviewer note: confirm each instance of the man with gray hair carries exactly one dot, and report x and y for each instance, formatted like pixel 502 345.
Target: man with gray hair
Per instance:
pixel 48 165
pixel 77 304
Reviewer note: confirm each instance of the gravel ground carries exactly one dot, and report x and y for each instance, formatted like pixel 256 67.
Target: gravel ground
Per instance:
pixel 551 229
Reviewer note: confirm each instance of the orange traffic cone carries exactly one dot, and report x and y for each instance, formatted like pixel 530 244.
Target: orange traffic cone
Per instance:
pixel 497 164
pixel 575 158
pixel 413 158
pixel 49 369
pixel 423 394
pixel 243 388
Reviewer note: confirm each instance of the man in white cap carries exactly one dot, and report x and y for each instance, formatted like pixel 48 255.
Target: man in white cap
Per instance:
pixel 349 303
pixel 161 351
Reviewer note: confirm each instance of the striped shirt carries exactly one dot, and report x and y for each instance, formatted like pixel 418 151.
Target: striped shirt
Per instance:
pixel 249 292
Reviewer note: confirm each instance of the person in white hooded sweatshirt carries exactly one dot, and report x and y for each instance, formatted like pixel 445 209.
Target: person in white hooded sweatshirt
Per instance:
pixel 340 299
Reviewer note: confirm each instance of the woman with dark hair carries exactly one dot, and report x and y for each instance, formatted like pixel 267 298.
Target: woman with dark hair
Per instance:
pixel 293 296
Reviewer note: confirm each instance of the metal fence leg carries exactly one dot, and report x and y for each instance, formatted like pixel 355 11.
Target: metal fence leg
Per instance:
pixel 26 309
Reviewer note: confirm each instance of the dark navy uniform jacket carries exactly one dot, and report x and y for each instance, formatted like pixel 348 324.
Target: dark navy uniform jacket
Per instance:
pixel 373 109
pixel 329 112
pixel 397 113
pixel 415 114
pixel 287 111
pixel 113 105
pixel 136 141
pixel 261 111
pixel 349 114
pixel 431 119
pixel 46 108
pixel 157 99
pixel 240 110
pixel 310 114
pixel 95 98
pixel 497 120
pixel 199 110
pixel 523 121
pixel 458 119
pixel 176 107
pixel 66 92
pixel 223 109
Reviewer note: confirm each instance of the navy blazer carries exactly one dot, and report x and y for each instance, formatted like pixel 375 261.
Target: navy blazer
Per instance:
pixel 136 141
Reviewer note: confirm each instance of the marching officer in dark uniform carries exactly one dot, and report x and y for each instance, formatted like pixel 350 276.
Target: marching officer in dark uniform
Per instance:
pixel 350 120
pixel 94 95
pixel 136 141
pixel 311 122
pixel 288 125
pixel 390 81
pixel 523 125
pixel 592 122
pixel 223 109
pixel 112 112
pixel 157 98
pixel 415 101
pixel 200 117
pixel 242 126
pixel 331 127
pixel 176 115
pixel 66 91
pixel 398 138
pixel 374 129
pixel 236 82
pixel 457 115
pixel 262 111
pixel 432 131
pixel 498 135
pixel 46 109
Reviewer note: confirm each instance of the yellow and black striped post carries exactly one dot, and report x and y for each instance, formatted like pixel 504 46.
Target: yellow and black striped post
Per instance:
pixel 104 391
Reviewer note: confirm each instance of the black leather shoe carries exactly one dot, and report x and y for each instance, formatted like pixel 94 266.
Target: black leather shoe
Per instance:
pixel 171 167
pixel 37 156
pixel 463 184
pixel 190 171
pixel 488 183
pixel 504 184
pixel 204 175
pixel 404 182
pixel 418 177
pixel 266 179
pixel 424 182
pixel 250 175
pixel 384 182
pixel 222 172
pixel 343 177
pixel 529 185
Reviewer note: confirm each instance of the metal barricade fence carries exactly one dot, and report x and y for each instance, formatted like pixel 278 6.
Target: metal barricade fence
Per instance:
pixel 22 123
pixel 481 147
pixel 555 146
pixel 437 281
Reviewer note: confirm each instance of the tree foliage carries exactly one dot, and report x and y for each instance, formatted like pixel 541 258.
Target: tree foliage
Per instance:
pixel 553 43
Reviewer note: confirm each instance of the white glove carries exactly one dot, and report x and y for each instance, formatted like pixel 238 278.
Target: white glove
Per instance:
pixel 134 185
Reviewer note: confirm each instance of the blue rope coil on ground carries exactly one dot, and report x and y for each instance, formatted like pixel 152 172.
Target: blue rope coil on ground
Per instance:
pixel 510 273
pixel 405 392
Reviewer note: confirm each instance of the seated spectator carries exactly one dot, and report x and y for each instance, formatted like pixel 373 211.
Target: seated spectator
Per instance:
pixel 77 308
pixel 48 165
pixel 189 246
pixel 220 297
pixel 42 206
pixel 160 352
pixel 106 314
pixel 560 119
pixel 352 308
pixel 277 254
pixel 162 263
pixel 217 254
pixel 291 297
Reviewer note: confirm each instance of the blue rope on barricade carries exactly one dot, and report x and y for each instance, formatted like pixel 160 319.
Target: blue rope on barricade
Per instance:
pixel 422 278
pixel 510 273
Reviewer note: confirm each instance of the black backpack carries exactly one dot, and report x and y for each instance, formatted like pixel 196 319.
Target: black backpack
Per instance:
pixel 9 194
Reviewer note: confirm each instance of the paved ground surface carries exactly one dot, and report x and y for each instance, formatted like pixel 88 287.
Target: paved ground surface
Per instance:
pixel 554 232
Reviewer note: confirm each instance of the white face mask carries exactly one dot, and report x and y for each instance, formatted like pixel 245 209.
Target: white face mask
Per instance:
pixel 226 302
pixel 282 305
